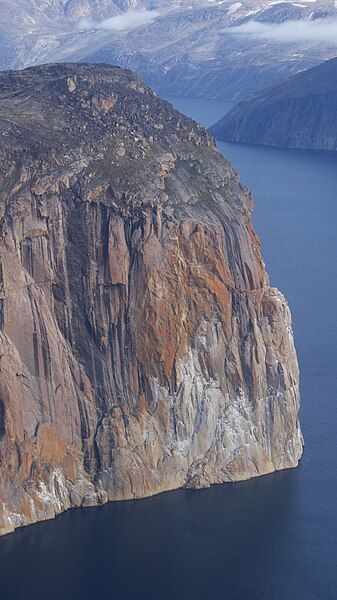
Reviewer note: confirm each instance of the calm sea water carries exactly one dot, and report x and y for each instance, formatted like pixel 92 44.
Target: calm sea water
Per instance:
pixel 272 538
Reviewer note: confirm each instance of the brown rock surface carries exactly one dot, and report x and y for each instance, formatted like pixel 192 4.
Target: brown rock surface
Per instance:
pixel 141 346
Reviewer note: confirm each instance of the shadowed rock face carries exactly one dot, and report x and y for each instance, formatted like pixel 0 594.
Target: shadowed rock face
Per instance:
pixel 141 347
pixel 299 112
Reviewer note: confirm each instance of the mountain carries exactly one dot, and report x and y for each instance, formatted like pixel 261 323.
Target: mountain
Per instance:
pixel 299 112
pixel 36 12
pixel 194 50
pixel 142 348
pixel 180 48
pixel 31 29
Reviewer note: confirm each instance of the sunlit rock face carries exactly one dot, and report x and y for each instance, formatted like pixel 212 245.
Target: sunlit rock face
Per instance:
pixel 141 346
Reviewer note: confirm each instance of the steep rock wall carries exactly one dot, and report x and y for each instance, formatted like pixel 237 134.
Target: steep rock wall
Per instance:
pixel 141 346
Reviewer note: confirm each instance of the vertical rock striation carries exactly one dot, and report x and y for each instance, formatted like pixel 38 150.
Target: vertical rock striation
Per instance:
pixel 141 346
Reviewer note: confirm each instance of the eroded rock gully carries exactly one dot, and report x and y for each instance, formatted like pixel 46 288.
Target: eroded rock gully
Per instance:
pixel 141 347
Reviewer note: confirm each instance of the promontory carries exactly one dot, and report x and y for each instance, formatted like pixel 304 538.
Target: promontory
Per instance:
pixel 142 348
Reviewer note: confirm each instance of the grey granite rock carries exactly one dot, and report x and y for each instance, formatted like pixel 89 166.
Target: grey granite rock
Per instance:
pixel 141 346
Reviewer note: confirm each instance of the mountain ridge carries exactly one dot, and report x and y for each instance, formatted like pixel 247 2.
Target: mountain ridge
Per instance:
pixel 296 113
pixel 180 51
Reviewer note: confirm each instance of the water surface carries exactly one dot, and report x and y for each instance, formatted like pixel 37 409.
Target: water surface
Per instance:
pixel 272 538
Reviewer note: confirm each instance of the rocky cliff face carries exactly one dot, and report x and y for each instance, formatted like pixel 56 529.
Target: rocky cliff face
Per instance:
pixel 299 112
pixel 141 347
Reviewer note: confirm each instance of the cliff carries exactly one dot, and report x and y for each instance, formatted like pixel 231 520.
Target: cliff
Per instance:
pixel 141 346
pixel 299 112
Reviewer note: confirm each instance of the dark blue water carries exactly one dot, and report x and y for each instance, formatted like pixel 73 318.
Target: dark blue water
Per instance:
pixel 273 538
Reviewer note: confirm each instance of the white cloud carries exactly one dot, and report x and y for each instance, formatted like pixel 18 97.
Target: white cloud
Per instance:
pixel 319 31
pixel 123 22
pixel 233 8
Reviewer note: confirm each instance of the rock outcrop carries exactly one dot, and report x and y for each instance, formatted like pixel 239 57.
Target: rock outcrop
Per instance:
pixel 299 112
pixel 141 346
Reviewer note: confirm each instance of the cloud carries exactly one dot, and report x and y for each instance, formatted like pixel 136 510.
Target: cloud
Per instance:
pixel 319 31
pixel 233 8
pixel 123 22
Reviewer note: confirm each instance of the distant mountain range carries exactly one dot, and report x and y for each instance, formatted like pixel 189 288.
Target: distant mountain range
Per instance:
pixel 299 112
pixel 207 48
pixel 32 29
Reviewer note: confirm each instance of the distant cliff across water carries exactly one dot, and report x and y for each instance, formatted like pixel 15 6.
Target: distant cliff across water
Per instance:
pixel 299 112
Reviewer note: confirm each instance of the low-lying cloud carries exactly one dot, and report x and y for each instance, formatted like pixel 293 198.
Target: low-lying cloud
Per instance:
pixel 123 22
pixel 319 31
